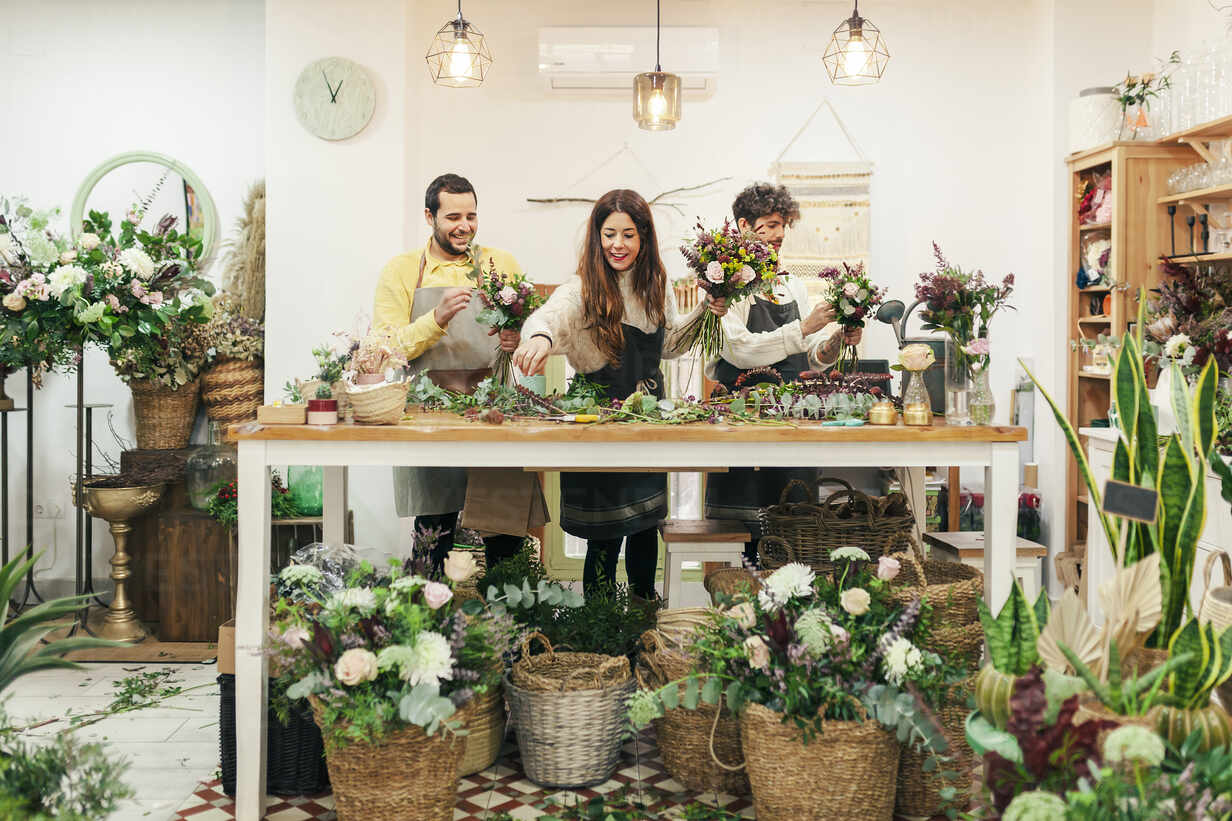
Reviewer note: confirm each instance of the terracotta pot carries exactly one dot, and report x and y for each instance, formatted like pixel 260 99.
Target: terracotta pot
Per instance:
pixel 369 378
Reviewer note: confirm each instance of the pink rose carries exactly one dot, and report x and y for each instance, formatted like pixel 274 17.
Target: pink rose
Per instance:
pixel 154 299
pixel 850 290
pixel 137 288
pixel 356 666
pixel 436 594
pixel 978 347
pixel 887 568
pixel 295 636
pixel 747 275
pixel 744 614
pixel 714 273
pixel 508 295
pixel 757 651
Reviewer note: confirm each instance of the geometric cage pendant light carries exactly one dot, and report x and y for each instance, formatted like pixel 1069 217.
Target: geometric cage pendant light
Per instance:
pixel 656 94
pixel 857 53
pixel 459 56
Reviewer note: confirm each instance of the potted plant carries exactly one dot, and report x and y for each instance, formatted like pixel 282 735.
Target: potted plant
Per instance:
pixel 1188 707
pixel 376 393
pixel 391 666
pixel 323 409
pixel 233 385
pixel 1133 699
pixel 822 674
pixel 1012 651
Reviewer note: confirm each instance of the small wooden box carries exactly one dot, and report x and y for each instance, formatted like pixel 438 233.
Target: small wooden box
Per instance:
pixel 282 414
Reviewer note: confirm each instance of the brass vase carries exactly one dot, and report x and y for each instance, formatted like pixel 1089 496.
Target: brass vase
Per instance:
pixel 118 506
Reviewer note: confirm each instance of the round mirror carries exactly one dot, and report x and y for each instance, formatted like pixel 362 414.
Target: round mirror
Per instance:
pixel 152 186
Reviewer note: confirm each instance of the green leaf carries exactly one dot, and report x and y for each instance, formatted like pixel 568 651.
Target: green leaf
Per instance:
pixel 1175 491
pixel 649 404
pixel 1125 400
pixel 1181 408
pixel 712 691
pixel 472 607
pixel 692 693
pixel 1184 681
pixel 1041 609
pixel 735 697
pixel 1206 430
pixel 1181 569
pixel 670 696
pixel 984 738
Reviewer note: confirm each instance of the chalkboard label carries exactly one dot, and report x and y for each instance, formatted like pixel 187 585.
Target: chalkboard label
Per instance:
pixel 1130 501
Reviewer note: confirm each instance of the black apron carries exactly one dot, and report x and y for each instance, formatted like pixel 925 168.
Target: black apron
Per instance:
pixel 741 492
pixel 615 505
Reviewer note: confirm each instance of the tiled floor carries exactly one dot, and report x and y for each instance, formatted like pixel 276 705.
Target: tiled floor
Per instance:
pixel 171 748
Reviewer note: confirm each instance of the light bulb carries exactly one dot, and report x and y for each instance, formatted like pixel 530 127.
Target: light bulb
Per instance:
pixel 460 58
pixel 657 104
pixel 855 56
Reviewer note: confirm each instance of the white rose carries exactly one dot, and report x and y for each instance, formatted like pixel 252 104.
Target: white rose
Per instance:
pixel 508 296
pixel 89 241
pixel 747 275
pixel 138 262
pixel 356 666
pixel 14 302
pixel 67 257
pixel 758 652
pixel 850 290
pixel 855 601
pixel 714 273
pixel 744 614
pixel 8 249
pixel 460 566
pixel 917 357
pixel 888 568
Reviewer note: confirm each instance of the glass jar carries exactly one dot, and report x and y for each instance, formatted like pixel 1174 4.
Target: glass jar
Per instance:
pixel 305 483
pixel 211 465
pixel 983 405
pixel 957 385
pixel 917 406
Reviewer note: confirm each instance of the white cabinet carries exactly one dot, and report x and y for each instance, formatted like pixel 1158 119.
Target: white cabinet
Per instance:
pixel 1216 535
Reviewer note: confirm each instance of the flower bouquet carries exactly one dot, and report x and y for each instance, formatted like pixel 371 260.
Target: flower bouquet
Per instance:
pixel 729 264
pixel 508 299
pixel 854 298
pixel 809 656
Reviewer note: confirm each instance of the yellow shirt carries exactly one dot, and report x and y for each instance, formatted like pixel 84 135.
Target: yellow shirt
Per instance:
pixel 395 293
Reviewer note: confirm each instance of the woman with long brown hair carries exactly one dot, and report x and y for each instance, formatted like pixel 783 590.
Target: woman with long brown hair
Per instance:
pixel 614 322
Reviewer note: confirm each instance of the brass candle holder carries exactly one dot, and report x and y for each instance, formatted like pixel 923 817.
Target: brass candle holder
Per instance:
pixel 118 506
pixel 883 413
pixel 917 413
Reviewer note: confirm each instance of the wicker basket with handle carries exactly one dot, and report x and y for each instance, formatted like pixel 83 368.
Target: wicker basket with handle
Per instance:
pixel 569 713
pixel 381 404
pixel 164 416
pixel 950 588
pixel 1216 608
pixel 919 791
pixel 732 582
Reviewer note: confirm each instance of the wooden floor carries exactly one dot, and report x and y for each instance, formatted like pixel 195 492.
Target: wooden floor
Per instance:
pixel 152 651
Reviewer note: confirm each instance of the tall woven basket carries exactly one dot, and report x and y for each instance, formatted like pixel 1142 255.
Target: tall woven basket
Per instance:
pixel 407 776
pixel 878 525
pixel 569 713
pixel 700 748
pixel 381 404
pixel 732 582
pixel 951 588
pixel 848 773
pixel 1217 609
pixel 164 416
pixel 233 389
pixel 919 792
pixel 486 732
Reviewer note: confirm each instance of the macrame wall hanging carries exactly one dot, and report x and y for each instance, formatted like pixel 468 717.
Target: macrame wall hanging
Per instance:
pixel 834 199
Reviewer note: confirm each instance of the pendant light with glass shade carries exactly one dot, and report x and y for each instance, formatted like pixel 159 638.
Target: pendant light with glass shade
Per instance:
pixel 459 56
pixel 656 94
pixel 857 54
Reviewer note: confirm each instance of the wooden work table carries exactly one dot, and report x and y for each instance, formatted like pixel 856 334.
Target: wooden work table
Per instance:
pixel 435 439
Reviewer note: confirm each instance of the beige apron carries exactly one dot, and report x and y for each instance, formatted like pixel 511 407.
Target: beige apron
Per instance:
pixel 459 361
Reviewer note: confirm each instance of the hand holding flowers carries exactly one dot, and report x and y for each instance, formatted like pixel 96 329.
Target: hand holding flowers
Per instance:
pixel 508 299
pixel 853 297
pixel 730 265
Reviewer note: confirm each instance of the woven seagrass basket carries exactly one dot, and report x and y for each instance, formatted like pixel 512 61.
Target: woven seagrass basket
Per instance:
pixel 406 776
pixel 732 582
pixel 1217 609
pixel 848 773
pixel 233 390
pixel 164 416
pixel 950 588
pixel 677 627
pixel 919 792
pixel 486 732
pixel 700 748
pixel 569 713
pixel 381 404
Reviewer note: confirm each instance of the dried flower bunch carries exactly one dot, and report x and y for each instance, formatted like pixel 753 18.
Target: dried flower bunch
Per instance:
pixel 1192 317
pixel 376 353
pixel 230 335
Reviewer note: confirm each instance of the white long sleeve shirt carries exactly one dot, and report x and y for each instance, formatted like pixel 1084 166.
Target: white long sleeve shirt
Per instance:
pixel 759 349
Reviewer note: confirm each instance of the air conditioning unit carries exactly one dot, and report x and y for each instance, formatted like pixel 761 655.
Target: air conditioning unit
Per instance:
pixel 602 60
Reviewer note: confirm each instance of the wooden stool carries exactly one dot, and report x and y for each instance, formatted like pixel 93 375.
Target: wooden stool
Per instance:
pixel 968 548
pixel 698 540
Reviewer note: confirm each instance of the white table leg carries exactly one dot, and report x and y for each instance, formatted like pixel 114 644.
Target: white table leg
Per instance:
pixel 251 625
pixel 912 480
pixel 1000 522
pixel 334 504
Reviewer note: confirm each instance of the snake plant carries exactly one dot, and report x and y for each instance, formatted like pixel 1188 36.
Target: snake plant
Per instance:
pixel 1176 471
pixel 1013 634
pixel 1132 695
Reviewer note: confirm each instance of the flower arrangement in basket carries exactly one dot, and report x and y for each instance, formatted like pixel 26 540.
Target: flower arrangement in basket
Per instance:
pixel 729 264
pixel 508 299
pixel 233 385
pixel 823 674
pixel 854 297
pixel 36 331
pixel 374 385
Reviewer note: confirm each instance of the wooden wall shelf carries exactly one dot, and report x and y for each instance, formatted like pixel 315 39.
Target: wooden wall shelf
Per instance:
pixel 1213 130
pixel 1192 258
pixel 1218 193
pixel 1095 226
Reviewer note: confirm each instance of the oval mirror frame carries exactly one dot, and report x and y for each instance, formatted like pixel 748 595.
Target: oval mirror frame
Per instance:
pixel 209 213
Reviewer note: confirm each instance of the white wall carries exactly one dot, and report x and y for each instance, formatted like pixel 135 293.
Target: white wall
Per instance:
pixel 81 81
pixel 1188 26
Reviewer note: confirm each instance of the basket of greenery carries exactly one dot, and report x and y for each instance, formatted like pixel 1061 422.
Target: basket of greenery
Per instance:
pixel 824 676
pixel 392 667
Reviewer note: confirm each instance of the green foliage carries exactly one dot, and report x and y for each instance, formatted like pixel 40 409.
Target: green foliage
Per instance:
pixel 610 621
pixel 330 364
pixel 1132 696
pixel 522 566
pixel 1013 634
pixel 1207 663
pixel 224 504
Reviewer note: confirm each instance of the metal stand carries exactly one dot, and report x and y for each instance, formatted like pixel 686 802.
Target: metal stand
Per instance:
pixel 31 591
pixel 84 582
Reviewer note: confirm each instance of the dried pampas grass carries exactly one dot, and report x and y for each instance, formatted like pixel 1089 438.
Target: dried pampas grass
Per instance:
pixel 243 273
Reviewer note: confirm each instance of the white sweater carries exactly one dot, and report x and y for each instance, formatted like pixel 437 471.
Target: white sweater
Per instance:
pixel 560 319
pixel 748 349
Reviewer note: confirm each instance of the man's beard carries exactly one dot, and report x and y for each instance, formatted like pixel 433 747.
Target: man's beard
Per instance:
pixel 445 242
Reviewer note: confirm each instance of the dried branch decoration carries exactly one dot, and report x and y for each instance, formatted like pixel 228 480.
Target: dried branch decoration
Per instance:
pixel 243 273
pixel 656 200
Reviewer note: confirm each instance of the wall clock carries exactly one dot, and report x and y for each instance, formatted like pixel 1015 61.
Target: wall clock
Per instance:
pixel 334 98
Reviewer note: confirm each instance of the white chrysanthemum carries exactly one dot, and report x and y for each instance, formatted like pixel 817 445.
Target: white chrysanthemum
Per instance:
pixel 301 575
pixel 1176 345
pixel 396 656
pixel 431 660
pixel 91 313
pixel 138 262
pixel 901 658
pixel 65 277
pixel 816 631
pixel 793 579
pixel 40 250
pixel 407 582
pixel 361 599
pixel 849 553
pixel 1132 743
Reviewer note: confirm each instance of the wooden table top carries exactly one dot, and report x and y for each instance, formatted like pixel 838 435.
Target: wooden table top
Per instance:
pixel 449 427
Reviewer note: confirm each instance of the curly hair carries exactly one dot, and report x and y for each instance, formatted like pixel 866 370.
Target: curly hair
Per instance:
pixel 761 199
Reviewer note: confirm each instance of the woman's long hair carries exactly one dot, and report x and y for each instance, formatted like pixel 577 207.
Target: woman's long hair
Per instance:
pixel 602 306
